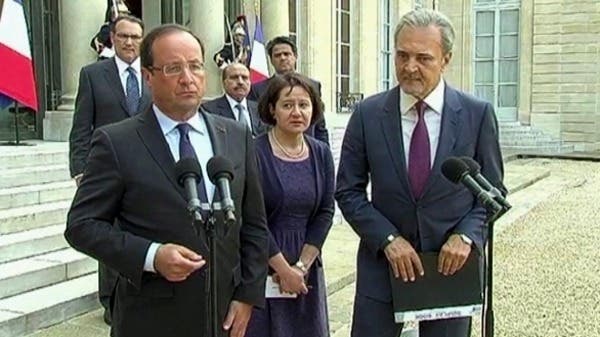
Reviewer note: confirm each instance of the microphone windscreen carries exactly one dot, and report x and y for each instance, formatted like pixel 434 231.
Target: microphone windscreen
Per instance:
pixel 474 168
pixel 454 169
pixel 187 166
pixel 218 167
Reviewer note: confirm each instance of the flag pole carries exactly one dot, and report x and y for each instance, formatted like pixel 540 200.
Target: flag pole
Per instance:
pixel 17 138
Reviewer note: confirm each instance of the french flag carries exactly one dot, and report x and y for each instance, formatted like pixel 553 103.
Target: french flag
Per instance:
pixel 259 70
pixel 16 82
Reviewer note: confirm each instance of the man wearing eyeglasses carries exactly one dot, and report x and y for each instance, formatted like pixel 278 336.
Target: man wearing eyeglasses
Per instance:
pixel 109 91
pixel 160 253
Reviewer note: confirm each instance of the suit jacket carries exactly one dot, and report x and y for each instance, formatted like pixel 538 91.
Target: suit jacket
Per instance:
pixel 321 217
pixel 373 150
pixel 221 107
pixel 100 100
pixel 130 178
pixel 317 130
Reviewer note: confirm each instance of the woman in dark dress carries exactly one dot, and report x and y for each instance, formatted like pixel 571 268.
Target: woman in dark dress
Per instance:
pixel 298 184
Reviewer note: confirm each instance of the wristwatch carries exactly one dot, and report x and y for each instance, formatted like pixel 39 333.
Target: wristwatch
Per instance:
pixel 466 239
pixel 300 265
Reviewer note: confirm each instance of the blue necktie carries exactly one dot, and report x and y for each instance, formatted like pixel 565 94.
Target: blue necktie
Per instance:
pixel 186 150
pixel 241 116
pixel 133 92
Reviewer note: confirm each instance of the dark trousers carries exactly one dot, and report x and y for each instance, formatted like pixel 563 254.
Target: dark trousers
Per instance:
pixel 374 318
pixel 107 279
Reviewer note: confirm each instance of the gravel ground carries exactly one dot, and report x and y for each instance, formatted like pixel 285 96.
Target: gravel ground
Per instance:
pixel 547 263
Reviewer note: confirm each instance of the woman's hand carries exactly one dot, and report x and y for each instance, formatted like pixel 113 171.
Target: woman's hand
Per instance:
pixel 291 280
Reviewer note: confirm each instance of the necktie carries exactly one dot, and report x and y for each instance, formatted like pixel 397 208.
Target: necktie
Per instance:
pixel 419 155
pixel 133 92
pixel 241 116
pixel 186 150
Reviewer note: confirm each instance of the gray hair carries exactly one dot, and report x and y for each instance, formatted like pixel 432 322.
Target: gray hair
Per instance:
pixel 424 18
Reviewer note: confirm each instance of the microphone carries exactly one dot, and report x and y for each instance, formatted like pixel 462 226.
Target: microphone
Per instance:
pixel 220 173
pixel 189 175
pixel 475 172
pixel 457 171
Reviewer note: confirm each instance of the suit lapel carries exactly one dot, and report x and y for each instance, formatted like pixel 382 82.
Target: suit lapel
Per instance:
pixel 449 129
pixel 224 108
pixel 392 131
pixel 111 73
pixel 254 117
pixel 154 140
pixel 146 99
pixel 217 132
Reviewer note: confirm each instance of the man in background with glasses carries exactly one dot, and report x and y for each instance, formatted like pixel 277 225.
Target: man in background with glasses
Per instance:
pixel 109 91
pixel 160 253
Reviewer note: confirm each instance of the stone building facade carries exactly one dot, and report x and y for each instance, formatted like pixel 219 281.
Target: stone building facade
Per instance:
pixel 538 61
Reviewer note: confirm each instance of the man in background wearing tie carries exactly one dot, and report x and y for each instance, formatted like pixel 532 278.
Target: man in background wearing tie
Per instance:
pixel 109 91
pixel 397 141
pixel 158 250
pixel 233 104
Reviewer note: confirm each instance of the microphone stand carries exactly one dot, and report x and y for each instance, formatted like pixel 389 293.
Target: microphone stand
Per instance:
pixel 210 229
pixel 488 319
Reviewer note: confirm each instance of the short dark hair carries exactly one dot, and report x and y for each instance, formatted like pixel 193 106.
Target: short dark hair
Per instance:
pixel 226 68
pixel 269 99
pixel 281 40
pixel 146 57
pixel 130 18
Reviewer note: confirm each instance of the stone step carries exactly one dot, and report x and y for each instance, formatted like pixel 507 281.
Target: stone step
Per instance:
pixel 532 143
pixel 25 313
pixel 33 242
pixel 42 154
pixel 540 149
pixel 36 194
pixel 29 217
pixel 24 275
pixel 23 176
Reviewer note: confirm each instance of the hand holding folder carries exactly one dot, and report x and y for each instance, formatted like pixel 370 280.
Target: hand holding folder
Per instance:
pixel 436 296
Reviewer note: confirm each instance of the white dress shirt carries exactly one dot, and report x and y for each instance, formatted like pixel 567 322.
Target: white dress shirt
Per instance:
pixel 433 118
pixel 233 103
pixel 200 140
pixel 123 73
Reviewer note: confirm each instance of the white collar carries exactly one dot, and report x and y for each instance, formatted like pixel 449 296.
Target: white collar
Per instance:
pixel 435 99
pixel 233 102
pixel 122 65
pixel 167 124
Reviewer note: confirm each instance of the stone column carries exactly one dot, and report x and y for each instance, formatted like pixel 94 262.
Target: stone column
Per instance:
pixel 79 21
pixel 275 19
pixel 207 17
pixel 318 50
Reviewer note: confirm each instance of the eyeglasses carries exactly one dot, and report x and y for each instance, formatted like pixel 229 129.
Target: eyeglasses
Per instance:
pixel 125 37
pixel 176 69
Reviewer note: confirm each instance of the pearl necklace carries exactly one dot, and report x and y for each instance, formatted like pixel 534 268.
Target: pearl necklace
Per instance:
pixel 286 152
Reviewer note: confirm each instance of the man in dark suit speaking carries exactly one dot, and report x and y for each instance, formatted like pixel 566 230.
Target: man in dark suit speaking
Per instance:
pixel 233 104
pixel 397 141
pixel 130 178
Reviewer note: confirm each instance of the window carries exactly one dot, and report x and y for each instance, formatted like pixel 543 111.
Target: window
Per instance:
pixel 343 47
pixel 385 59
pixel 293 15
pixel 496 55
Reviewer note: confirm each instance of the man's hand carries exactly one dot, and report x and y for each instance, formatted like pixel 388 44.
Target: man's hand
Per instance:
pixel 453 255
pixel 176 263
pixel 292 281
pixel 237 318
pixel 404 259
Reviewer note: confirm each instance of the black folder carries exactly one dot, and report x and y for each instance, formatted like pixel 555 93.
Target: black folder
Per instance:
pixel 435 296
